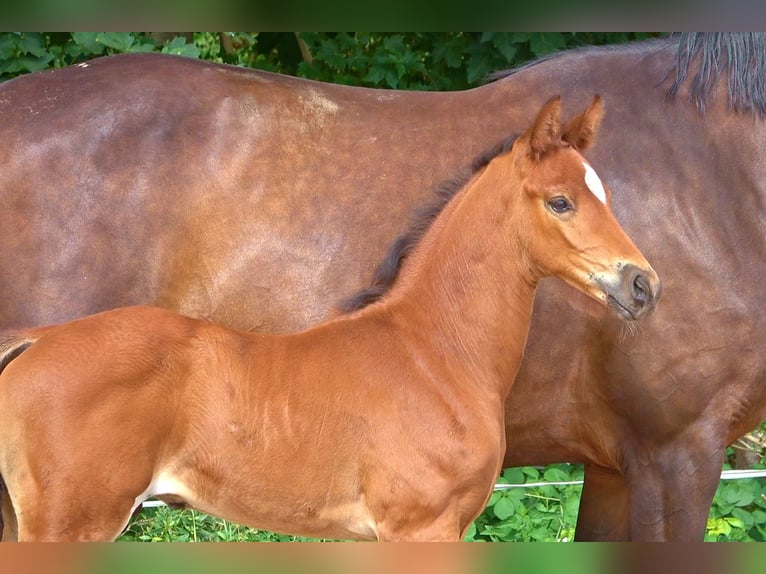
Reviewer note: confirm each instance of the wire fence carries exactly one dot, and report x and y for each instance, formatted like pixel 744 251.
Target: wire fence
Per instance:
pixel 725 475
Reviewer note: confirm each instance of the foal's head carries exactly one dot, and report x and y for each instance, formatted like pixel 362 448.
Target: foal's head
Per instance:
pixel 569 230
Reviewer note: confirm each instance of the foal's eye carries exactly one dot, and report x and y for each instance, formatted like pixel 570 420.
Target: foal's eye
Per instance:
pixel 560 204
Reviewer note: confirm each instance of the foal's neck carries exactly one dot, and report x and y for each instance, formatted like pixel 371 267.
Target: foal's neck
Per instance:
pixel 467 286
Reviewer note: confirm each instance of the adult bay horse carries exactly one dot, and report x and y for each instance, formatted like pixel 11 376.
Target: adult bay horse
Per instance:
pixel 259 201
pixel 395 411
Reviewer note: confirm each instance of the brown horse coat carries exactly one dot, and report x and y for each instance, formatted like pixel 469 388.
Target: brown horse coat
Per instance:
pixel 386 423
pixel 259 201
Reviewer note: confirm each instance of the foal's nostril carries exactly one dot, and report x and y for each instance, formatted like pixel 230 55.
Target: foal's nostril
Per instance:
pixel 641 289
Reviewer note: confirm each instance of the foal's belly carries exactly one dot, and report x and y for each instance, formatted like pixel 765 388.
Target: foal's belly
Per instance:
pixel 334 520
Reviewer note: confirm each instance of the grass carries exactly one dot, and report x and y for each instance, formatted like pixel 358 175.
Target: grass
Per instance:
pixel 163 524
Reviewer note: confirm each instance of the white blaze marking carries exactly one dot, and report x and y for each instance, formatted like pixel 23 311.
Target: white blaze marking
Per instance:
pixel 594 183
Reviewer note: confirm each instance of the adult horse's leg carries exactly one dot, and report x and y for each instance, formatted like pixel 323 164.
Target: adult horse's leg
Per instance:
pixel 604 513
pixel 672 488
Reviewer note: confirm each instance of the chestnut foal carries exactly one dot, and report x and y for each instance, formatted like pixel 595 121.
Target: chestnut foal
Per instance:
pixel 385 424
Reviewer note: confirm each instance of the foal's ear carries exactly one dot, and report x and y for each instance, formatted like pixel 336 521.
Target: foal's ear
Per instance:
pixel 545 131
pixel 581 131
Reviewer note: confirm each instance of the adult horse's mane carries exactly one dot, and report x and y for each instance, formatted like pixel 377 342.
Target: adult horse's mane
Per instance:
pixel 740 58
pixel 386 273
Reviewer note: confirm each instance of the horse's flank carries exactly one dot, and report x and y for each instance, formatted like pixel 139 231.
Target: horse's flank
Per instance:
pixel 377 406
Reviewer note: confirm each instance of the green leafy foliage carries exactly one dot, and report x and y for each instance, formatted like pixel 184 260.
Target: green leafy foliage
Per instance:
pixel 421 60
pixel 738 512
pixel 162 524
pixel 432 61
pixel 531 514
pixel 24 52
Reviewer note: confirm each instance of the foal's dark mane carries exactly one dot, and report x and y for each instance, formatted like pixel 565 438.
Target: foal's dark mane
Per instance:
pixel 739 58
pixel 386 273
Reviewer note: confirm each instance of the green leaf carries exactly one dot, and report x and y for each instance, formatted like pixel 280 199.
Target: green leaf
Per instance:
pixel 448 52
pixel 542 534
pixel 554 474
pixel 494 497
pixel 394 43
pixel 179 47
pixel 503 43
pixel 33 43
pixel 374 76
pixel 542 43
pixel 520 37
pixel 531 472
pixel 142 47
pixel 504 507
pixel 8 45
pixel 25 64
pixel 470 533
pixel 88 40
pixel 757 516
pixel 477 67
pixel 119 41
pixel 735 522
pixel 571 507
pixel 392 80
pixel 514 476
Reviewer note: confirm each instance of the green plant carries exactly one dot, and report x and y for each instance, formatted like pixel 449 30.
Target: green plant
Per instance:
pixel 420 60
pixel 531 514
pixel 24 52
pixel 163 524
pixel 433 60
pixel 738 512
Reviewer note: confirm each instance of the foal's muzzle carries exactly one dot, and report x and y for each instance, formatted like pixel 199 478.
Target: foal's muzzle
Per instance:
pixel 636 293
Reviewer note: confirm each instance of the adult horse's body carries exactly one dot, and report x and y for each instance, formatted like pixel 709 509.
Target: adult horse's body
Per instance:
pixel 259 201
pixel 395 411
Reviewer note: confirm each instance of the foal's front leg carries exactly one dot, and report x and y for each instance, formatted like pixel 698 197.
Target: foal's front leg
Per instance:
pixel 442 530
pixel 410 520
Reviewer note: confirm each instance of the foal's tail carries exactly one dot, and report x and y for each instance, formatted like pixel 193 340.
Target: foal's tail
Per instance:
pixel 12 345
